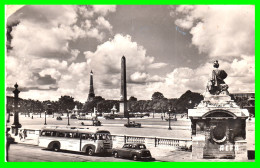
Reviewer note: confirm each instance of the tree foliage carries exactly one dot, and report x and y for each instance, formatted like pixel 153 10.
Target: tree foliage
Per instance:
pixel 157 96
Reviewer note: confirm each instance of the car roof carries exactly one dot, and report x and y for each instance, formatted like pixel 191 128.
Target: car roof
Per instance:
pixel 134 143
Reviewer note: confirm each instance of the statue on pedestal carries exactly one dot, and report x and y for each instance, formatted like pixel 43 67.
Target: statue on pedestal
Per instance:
pixel 216 84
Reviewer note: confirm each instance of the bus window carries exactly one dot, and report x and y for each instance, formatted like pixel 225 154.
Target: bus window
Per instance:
pixel 75 135
pixel 68 135
pixel 53 133
pixel 48 133
pixel 61 134
pixel 103 137
pixel 43 133
pixel 93 136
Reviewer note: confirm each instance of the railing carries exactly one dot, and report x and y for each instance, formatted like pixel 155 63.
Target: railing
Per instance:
pixel 174 143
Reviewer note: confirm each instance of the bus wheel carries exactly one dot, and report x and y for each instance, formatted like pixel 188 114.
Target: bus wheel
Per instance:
pixel 90 151
pixel 56 147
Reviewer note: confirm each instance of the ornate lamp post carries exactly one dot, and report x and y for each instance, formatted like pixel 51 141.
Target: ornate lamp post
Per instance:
pixel 169 120
pixel 68 116
pixel 16 123
pixel 45 118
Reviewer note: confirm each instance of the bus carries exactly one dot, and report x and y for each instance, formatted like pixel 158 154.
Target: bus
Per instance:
pixel 89 141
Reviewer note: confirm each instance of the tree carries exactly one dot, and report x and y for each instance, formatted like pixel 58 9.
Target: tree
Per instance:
pixel 66 103
pixel 132 98
pixel 157 96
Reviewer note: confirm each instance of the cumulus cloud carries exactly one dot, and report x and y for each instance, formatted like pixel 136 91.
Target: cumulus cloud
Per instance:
pixel 157 65
pixel 144 78
pixel 41 56
pixel 104 9
pixel 226 33
pixel 220 31
pixel 103 23
pixel 106 64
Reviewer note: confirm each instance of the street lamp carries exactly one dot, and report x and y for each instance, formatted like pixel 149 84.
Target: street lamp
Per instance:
pixel 68 116
pixel 45 118
pixel 169 120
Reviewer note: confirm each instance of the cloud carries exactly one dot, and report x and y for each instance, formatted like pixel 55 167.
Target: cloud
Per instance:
pixel 221 31
pixel 157 65
pixel 41 54
pixel 103 23
pixel 144 78
pixel 106 64
pixel 104 9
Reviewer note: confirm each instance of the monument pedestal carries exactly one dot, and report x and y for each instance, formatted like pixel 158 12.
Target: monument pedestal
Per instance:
pixel 241 150
pixel 221 122
pixel 198 143
pixel 123 109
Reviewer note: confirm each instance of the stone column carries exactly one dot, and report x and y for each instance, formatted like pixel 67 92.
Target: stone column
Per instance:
pixel 123 93
pixel 16 123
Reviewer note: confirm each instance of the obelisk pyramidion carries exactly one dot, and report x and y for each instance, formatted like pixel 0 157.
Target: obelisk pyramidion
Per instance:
pixel 123 93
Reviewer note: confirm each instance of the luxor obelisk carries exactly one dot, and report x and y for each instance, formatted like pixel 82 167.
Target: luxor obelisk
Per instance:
pixel 123 93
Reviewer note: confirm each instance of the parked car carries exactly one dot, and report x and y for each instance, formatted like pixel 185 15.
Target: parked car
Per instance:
pixel 139 115
pixel 59 118
pixel 172 118
pixel 134 151
pixel 133 124
pixel 73 116
pixel 109 116
pixel 147 114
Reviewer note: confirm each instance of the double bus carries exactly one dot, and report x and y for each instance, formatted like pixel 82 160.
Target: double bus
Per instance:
pixel 87 140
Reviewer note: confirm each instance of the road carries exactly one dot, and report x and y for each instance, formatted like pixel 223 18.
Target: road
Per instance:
pixel 32 153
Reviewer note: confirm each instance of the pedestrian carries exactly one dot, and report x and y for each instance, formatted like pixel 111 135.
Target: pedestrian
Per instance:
pixel 21 135
pixel 162 117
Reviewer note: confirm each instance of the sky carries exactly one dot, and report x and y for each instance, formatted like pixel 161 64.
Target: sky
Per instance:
pixel 169 49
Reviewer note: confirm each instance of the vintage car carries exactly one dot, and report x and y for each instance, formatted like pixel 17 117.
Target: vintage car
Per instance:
pixel 133 124
pixel 139 115
pixel 73 116
pixel 59 118
pixel 172 118
pixel 110 116
pixel 134 151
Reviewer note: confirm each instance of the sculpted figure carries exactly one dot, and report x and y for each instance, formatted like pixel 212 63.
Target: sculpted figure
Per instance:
pixel 216 84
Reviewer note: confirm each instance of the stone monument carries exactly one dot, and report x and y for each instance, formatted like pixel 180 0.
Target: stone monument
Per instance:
pixel 123 93
pixel 91 94
pixel 218 125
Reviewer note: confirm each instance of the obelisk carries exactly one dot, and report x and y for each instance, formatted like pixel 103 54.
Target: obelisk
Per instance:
pixel 123 93
pixel 91 94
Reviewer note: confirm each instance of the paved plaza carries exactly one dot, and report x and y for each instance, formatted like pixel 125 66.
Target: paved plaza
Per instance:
pixel 150 127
